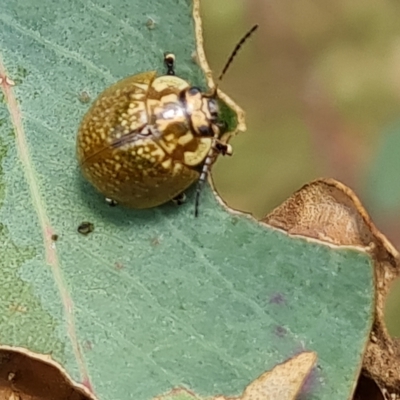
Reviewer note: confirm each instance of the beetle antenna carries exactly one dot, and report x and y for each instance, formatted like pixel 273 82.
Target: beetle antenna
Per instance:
pixel 214 148
pixel 233 55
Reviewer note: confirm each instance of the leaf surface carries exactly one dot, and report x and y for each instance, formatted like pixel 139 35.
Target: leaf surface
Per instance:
pixel 151 299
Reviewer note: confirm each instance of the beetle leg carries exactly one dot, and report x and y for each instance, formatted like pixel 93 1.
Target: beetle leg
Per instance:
pixel 223 148
pixel 169 62
pixel 217 148
pixel 179 199
pixel 111 202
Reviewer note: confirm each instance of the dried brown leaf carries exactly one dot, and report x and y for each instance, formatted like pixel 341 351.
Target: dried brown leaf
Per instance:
pixel 28 376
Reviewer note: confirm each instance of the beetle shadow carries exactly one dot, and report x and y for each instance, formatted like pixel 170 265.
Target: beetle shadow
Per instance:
pixel 94 206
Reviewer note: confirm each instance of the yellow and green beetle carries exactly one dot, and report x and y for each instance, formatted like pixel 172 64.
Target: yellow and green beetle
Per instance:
pixel 147 138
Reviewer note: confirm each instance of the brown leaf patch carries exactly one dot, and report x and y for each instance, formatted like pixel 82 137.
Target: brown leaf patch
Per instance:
pixel 28 376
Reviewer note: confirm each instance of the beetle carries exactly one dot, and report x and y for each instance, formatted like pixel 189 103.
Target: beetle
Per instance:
pixel 147 138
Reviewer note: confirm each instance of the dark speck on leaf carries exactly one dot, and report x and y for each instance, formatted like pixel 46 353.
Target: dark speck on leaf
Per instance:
pixel 84 97
pixel 150 23
pixel 85 228
pixel 277 298
pixel 280 331
pixel 234 220
pixel 118 266
pixel 155 241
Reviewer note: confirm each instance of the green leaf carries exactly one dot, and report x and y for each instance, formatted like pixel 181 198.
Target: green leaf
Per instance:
pixel 151 299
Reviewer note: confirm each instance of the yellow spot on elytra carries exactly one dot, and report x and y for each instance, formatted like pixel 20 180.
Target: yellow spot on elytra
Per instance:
pixel 185 139
pixel 168 147
pixel 169 98
pixel 177 168
pixel 166 81
pixel 137 96
pixel 142 86
pixel 162 124
pixel 157 152
pixel 167 163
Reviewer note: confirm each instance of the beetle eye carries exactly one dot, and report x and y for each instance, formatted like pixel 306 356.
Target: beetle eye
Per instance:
pixel 194 90
pixel 204 130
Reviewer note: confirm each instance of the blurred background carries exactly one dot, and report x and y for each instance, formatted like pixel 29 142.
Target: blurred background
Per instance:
pixel 320 84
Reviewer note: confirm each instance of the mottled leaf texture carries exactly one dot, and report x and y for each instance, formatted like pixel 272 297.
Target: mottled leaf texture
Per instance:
pixel 154 300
